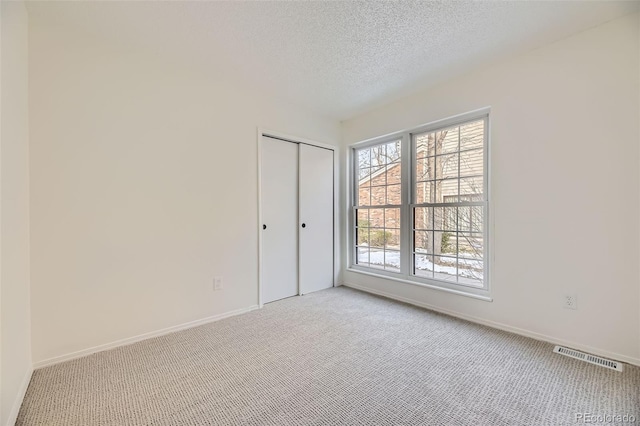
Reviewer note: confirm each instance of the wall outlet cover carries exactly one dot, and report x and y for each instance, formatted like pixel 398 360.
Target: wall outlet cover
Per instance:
pixel 217 283
pixel 570 301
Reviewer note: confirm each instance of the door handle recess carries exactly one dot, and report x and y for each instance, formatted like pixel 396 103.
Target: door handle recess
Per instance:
pixel 264 226
pixel 304 225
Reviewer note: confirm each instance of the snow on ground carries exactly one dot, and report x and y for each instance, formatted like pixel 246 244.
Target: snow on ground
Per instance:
pixel 392 259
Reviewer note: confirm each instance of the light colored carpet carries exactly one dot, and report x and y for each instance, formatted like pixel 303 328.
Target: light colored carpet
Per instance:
pixel 334 357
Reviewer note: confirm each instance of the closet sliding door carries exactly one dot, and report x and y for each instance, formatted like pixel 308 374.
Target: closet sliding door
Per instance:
pixel 316 218
pixel 279 181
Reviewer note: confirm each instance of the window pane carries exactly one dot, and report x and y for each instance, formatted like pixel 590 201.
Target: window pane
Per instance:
pixel 470 186
pixel 472 135
pixel 445 268
pixel 364 158
pixel 392 218
pixel 377 258
pixel 378 177
pixel 393 152
pixel 423 241
pixel 448 140
pixel 423 266
pixel 378 156
pixel 392 260
pixel 378 195
pixel 477 219
pixel 438 219
pixel 473 255
pixel 363 236
pixel 422 217
pixel 445 219
pixel 470 219
pixel 363 256
pixel 471 245
pixel 435 242
pixel 425 145
pixel 471 163
pixel 392 239
pixel 425 169
pixel 425 192
pixel 363 174
pixel 376 218
pixel 394 173
pixel 394 195
pixel 448 243
pixel 362 218
pixel 444 189
pixel 376 238
pixel 447 166
pixel 471 272
pixel 364 196
pixel 464 218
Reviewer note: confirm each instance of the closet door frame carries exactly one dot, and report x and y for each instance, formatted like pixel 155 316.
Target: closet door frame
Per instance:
pixel 262 132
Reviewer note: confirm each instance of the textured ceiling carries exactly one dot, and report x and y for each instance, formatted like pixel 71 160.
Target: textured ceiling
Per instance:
pixel 338 58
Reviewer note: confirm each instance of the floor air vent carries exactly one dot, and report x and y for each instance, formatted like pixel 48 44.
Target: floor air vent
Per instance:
pixel 602 362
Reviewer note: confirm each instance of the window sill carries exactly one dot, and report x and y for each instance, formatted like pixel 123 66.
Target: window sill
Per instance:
pixel 403 280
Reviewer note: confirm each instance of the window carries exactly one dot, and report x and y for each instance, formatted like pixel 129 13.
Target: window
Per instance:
pixel 424 223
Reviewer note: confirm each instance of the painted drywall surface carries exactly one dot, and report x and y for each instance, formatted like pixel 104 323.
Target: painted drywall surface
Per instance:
pixel 14 216
pixel 564 186
pixel 143 188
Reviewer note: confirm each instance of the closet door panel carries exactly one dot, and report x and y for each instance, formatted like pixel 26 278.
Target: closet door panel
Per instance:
pixel 279 179
pixel 316 218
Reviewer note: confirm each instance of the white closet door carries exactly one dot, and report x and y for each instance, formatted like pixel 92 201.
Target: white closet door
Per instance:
pixel 316 218
pixel 279 179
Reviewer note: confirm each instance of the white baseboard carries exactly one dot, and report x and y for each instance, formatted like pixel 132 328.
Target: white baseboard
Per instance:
pixel 134 339
pixel 22 391
pixel 501 326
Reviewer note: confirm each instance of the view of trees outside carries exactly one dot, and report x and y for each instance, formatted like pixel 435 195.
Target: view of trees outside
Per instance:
pixel 448 191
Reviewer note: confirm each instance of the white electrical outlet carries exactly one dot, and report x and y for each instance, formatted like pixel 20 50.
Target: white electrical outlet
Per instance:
pixel 570 301
pixel 217 283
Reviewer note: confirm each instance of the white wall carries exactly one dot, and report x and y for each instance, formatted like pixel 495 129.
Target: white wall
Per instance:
pixel 143 188
pixel 565 187
pixel 15 341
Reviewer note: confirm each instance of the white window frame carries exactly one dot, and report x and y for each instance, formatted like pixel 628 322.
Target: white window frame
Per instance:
pixel 408 162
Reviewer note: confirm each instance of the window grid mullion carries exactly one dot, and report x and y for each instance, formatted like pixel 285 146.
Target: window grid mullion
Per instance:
pixel 434 197
pixel 458 216
pixel 384 234
pixel 457 244
pixel 405 199
pixel 369 245
pixel 411 196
